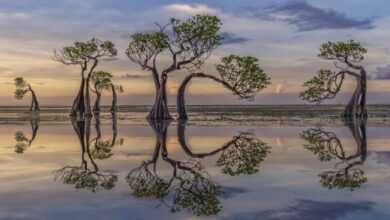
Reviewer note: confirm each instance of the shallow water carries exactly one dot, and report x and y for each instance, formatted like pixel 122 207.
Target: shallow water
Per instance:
pixel 194 170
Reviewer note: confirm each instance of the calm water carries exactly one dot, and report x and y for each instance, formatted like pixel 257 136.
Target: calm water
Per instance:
pixel 116 170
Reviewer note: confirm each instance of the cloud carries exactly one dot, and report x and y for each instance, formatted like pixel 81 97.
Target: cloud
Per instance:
pixel 307 17
pixel 190 9
pixel 382 73
pixel 231 38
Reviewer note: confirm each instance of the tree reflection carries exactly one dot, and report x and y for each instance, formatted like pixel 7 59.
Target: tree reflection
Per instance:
pixel 88 175
pixel 243 154
pixel 103 148
pixel 23 141
pixel 327 146
pixel 189 186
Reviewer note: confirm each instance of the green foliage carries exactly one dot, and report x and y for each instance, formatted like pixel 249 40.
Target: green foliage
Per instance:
pixel 325 85
pixel 144 183
pixel 325 145
pixel 197 194
pixel 144 46
pixel 20 147
pixel 102 150
pixel 22 142
pixel 343 51
pixel 81 52
pixel 344 179
pixel 189 188
pixel 20 82
pixel 243 74
pixel 189 41
pixel 22 87
pixel 196 36
pixel 20 137
pixel 82 178
pixel 328 83
pixel 101 80
pixel 243 156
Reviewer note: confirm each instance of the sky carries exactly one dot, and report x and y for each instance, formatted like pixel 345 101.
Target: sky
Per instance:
pixel 284 35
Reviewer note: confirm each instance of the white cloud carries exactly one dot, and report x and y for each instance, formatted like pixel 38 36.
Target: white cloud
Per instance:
pixel 8 16
pixel 190 9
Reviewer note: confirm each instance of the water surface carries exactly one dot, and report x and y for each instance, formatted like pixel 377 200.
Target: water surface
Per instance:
pixel 112 169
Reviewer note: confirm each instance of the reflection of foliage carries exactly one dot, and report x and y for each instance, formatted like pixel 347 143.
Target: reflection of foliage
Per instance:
pixel 197 193
pixel 325 145
pixel 82 178
pixel 87 175
pixel 22 141
pixel 342 179
pixel 145 183
pixel 20 147
pixel 20 137
pixel 243 156
pixel 189 188
pixel 102 150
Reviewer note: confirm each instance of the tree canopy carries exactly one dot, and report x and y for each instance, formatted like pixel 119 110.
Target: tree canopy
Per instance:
pixel 243 74
pixel 21 87
pixel 101 80
pixel 346 57
pixel 82 52
pixel 348 52
pixel 188 41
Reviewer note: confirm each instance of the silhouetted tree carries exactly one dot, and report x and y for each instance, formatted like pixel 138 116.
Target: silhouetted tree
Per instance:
pixel 22 141
pixel 101 81
pixel 240 74
pixel 87 175
pixel 22 88
pixel 327 146
pixel 346 56
pixel 188 42
pixel 87 55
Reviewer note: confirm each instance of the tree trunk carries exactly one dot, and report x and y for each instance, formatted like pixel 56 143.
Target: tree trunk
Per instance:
pixel 358 130
pixel 181 138
pixel 114 129
pixel 357 105
pixel 78 108
pixel 96 107
pixel 363 86
pixel 34 128
pixel 160 129
pixel 160 109
pixel 180 102
pixel 88 111
pixel 34 100
pixel 114 106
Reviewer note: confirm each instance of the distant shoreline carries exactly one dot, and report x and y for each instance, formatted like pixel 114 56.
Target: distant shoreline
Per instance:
pixel 257 110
